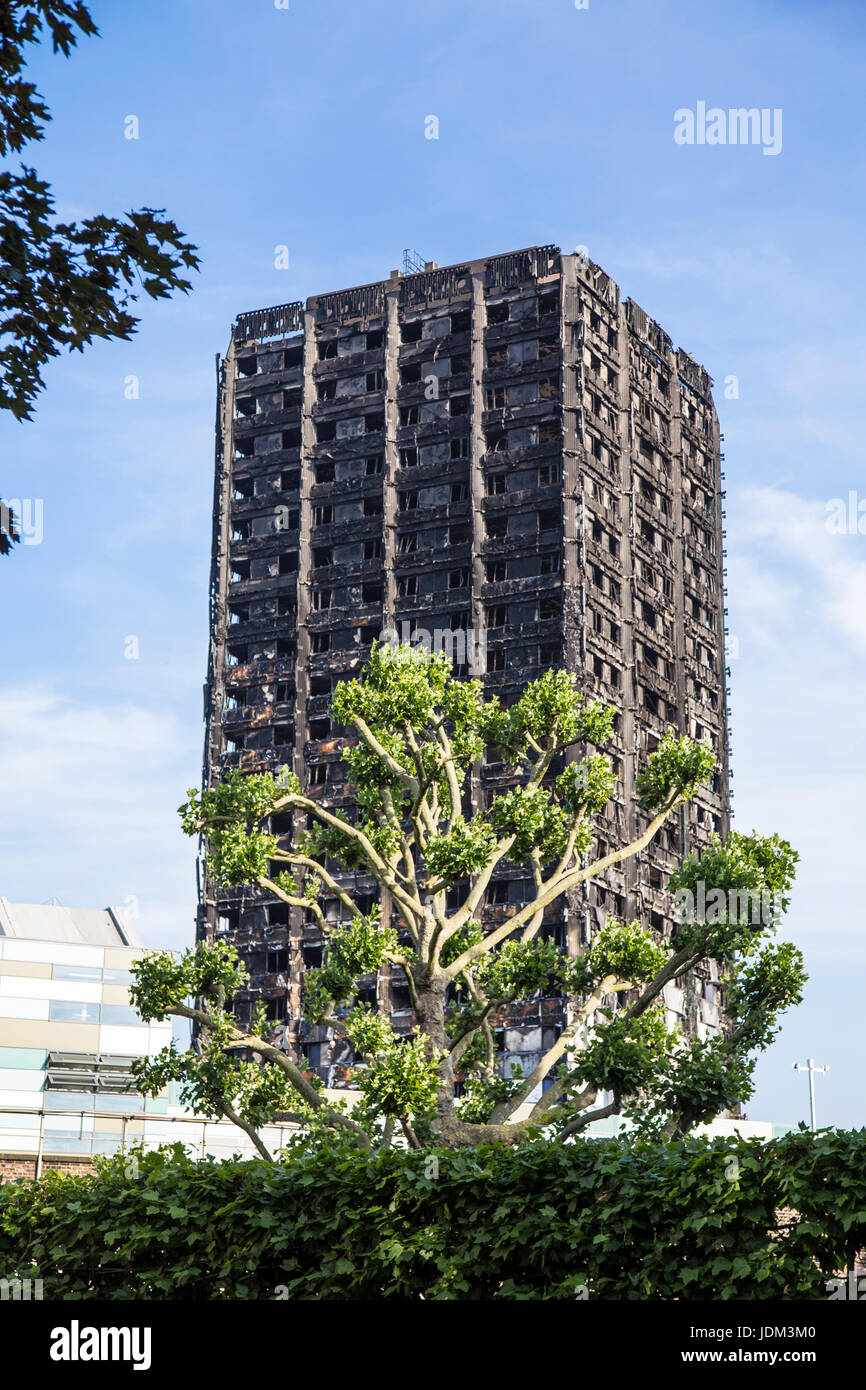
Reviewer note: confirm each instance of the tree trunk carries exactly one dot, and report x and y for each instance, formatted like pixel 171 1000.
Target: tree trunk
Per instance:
pixel 431 991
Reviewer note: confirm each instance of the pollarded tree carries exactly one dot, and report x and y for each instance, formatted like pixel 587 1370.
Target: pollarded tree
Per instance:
pixel 418 735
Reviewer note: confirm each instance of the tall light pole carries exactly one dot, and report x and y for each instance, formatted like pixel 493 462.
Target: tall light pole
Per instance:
pixel 811 1069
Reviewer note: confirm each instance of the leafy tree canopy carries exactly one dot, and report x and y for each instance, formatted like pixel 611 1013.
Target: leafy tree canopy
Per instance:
pixel 415 736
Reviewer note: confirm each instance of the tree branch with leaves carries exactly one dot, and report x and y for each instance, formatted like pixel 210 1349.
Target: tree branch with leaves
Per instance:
pixel 416 734
pixel 63 284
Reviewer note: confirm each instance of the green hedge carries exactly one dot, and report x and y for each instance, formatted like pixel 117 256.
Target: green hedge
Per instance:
pixel 604 1219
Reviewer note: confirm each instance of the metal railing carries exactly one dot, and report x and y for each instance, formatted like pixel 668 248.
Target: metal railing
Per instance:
pixel 278 321
pixel 274 1134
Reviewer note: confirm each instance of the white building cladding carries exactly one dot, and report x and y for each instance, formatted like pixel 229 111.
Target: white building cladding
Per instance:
pixel 68 1032
pixel 68 1036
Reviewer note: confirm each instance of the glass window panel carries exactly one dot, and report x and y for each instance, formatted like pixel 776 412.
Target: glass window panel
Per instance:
pixel 123 1014
pixel 131 1104
pixel 68 1100
pixel 70 1011
pixel 56 1145
pixel 76 972
pixel 106 1144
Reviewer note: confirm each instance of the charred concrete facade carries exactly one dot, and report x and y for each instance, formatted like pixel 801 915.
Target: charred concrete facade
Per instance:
pixel 509 457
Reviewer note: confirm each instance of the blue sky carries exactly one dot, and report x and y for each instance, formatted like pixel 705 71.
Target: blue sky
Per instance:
pixel 304 127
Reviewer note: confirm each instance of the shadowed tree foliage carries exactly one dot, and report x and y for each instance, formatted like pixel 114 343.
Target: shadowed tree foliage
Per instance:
pixel 621 1219
pixel 62 284
pixel 418 735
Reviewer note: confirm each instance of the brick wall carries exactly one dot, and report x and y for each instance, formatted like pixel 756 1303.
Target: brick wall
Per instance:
pixel 14 1166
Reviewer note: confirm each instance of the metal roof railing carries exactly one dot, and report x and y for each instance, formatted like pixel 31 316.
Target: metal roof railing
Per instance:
pixel 125 1119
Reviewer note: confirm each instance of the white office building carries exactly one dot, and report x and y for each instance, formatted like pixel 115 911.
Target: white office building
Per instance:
pixel 68 1037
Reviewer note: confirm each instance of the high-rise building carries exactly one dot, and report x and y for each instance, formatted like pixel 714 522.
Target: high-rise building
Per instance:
pixel 504 459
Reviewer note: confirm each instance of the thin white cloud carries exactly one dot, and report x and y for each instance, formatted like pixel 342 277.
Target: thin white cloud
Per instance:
pixel 826 571
pixel 797 601
pixel 90 797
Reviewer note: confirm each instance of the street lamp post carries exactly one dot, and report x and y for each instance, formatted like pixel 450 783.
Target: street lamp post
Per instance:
pixel 811 1069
